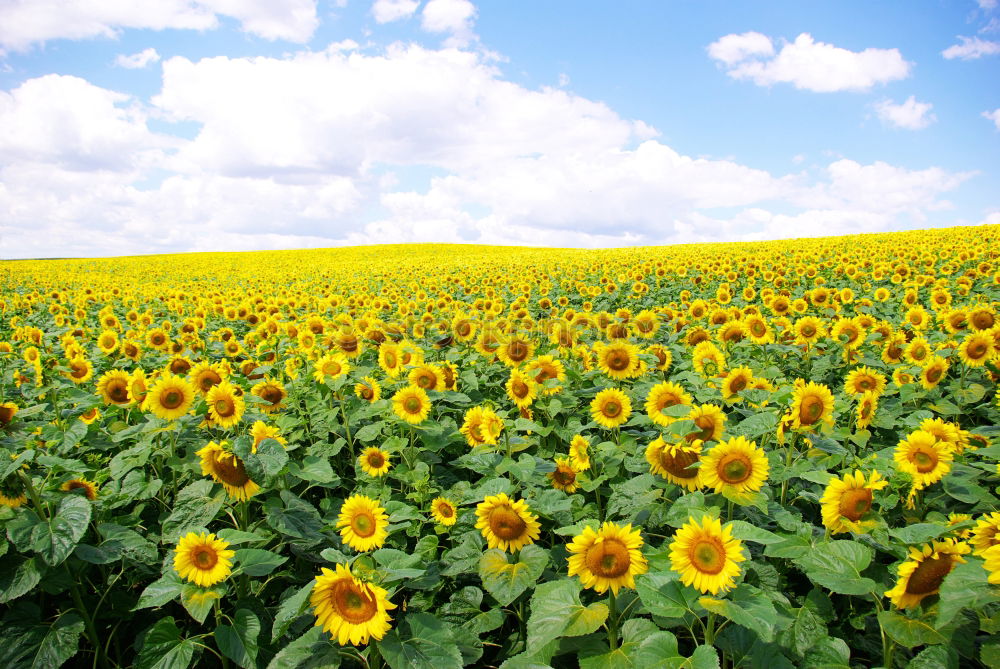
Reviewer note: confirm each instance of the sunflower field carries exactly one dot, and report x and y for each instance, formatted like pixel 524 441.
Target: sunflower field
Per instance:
pixel 777 454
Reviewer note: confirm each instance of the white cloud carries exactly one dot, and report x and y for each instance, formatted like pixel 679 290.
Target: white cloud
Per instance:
pixel 987 5
pixel 137 61
pixel 910 114
pixel 993 116
pixel 807 64
pixel 385 11
pixel 971 48
pixel 25 23
pixel 450 16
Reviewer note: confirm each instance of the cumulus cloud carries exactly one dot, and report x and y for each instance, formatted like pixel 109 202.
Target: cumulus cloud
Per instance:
pixel 806 63
pixel 386 11
pixel 993 116
pixel 910 114
pixel 137 61
pixel 971 48
pixel 455 17
pixel 24 23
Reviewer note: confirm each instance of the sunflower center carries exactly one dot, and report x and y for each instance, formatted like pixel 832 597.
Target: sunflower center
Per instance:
pixel 865 383
pixel 352 603
pixel 376 460
pixel 426 381
pixel 735 468
pixel 271 394
pixel 866 410
pixel 758 329
pixel 79 371
pixel 208 379
pixel 934 374
pixel 667 400
pixel 564 476
pixel 919 353
pixel 976 350
pixel 708 557
pixel 928 575
pixel 707 426
pixel 6 415
pixel 230 470
pixel 367 393
pixel 390 360
pixel 225 407
pixel 520 389
pixel 331 368
pixel 855 503
pixel 363 524
pixel 808 331
pixel 619 360
pixel 445 510
pixel 679 463
pixel 810 410
pixel 517 351
pixel 118 392
pixel 609 558
pixel 412 405
pixel 506 524
pixel 738 384
pixel 611 408
pixel 924 460
pixel 172 398
pixel 204 557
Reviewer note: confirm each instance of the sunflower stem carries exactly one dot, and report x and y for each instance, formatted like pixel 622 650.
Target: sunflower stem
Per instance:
pixel 612 622
pixel 88 622
pixel 374 656
pixel 788 463
pixel 710 630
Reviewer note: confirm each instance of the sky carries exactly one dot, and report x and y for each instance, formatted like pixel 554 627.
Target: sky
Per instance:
pixel 159 126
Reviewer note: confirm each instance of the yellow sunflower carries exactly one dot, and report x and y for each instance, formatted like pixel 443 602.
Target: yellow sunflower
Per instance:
pixel 137 388
pixel 506 524
pixel 261 431
pixel 272 392
pixel 976 349
pixel 846 501
pixel 113 387
pixel 934 372
pixel 737 380
pixel 618 360
pixel 706 555
pixel 80 370
pixel 411 404
pixel 922 575
pixel 170 397
pixel 427 376
pixel 226 468
pixel 389 359
pixel 610 408
pixel 675 462
pixel 515 350
pixel 349 609
pixel 108 342
pixel 564 477
pixel 205 374
pixel 546 367
pixel 203 559
pixel 89 488
pixel 374 461
pixel 7 412
pixel 992 565
pixel 362 523
pixel 607 558
pixel 481 426
pixel 710 421
pixel 662 396
pixel 90 415
pixel 368 389
pixel 867 406
pixel 924 458
pixel 864 379
pixel 225 407
pixel 986 533
pixel 917 351
pixel 521 388
pixel 332 366
pixel 12 494
pixel 579 457
pixel 736 467
pixel 444 511
pixel 812 403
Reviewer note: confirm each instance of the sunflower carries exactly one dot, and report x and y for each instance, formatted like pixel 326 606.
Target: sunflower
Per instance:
pixel 944 431
pixel 924 458
pixel 579 458
pixel 663 356
pixel 202 559
pixel 662 396
pixel 521 388
pixel 205 374
pixel 867 406
pixel 706 555
pixel 80 370
pixel 351 610
pixel 112 387
pixel 137 386
pixel 179 365
pixel 158 339
pixel 427 376
pixel 389 355
pixel 934 372
pixel 674 462
pixel 737 380
pixel 225 406
pixel 976 349
pixel 411 404
pixel 89 488
pixel 607 558
pixel 812 403
pixel 610 408
pixel 90 415
pixel 170 398
pixel 736 468
pixel 331 365
pixel 923 573
pixel 758 329
pixel 808 330
pixel 108 342
pixel 374 461
pixel 261 431
pixel 444 511
pixel 917 351
pixel 564 477
pixel 847 501
pixel 12 494
pixel 982 317
pixel 710 421
pixel 481 426
pixel 362 523
pixel 992 565
pixel 506 524
pixel 7 412
pixel 618 360
pixel 515 350
pixel 546 367
pixel 864 379
pixel 708 360
pixel 986 533
pixel 272 392
pixel 227 468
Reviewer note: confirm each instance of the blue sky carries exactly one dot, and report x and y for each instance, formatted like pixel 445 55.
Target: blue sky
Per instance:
pixel 185 125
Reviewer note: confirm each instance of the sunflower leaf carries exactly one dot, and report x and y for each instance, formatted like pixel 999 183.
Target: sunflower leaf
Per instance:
pixel 290 609
pixel 164 648
pixel 422 642
pixel 239 641
pixel 556 611
pixel 505 580
pixel 56 538
pixel 965 586
pixel 18 577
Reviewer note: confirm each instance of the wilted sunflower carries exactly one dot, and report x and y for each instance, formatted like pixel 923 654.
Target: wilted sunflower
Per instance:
pixel 506 524
pixel 736 468
pixel 618 360
pixel 362 522
pixel 170 397
pixel 205 374
pixel 444 511
pixel 923 574
pixel 976 349
pixel 113 387
pixel 674 462
pixel 579 458
pixel 481 426
pixel 521 388
pixel 89 488
pixel 272 392
pixel 812 403
pixel 706 555
pixel 374 461
pixel 607 558
pixel 226 468
pixel 225 406
pixel 368 389
pixel 846 501
pixel 863 380
pixel 610 408
pixel 203 559
pixel 924 458
pixel 349 609
pixel 662 396
pixel 411 404
pixel 564 477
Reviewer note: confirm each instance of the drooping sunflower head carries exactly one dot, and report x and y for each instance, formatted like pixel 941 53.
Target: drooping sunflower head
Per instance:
pixel 444 511
pixel 506 524
pixel 411 404
pixel 611 408
pixel 847 502
pixel 706 555
pixel 564 477
pixel 374 461
pixel 662 396
pixel 675 462
pixel 228 469
pixel 736 467
pixel 225 405
pixel 349 609
pixel 12 493
pixel 363 522
pixel 273 393
pixel 607 558
pixel 923 573
pixel 812 404
pixel 89 488
pixel 579 457
pixel 170 397
pixel 7 412
pixel 203 559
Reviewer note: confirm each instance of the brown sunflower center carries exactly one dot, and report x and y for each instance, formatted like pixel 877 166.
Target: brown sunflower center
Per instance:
pixel 230 470
pixel 679 463
pixel 171 398
pixel 517 351
pixel 412 405
pixel 808 330
pixel 225 407
pixel 924 459
pixel 376 460
pixel 866 409
pixel 618 360
pixel 180 366
pixel 976 350
pixel 271 394
pixel 204 557
pixel 445 511
pixel 934 374
pixel 506 524
pixel 564 476
pixel 608 558
pixel 207 379
pixel 611 408
pixel 855 503
pixel 520 389
pixel 667 400
pixel 928 575
pixel 6 415
pixel 738 384
pixel 426 381
pixel 79 371
pixel 864 383
pixel 367 393
pixel 352 603
pixel 810 409
pixel 707 425
pixel 734 468
pixel 758 329
pixel 118 391
pixel 390 360
pixel 708 556
pixel 363 524
pixel 919 353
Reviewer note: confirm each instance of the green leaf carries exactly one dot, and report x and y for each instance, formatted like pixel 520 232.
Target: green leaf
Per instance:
pixel 965 586
pixel 690 505
pixel 198 602
pixel 163 647
pixel 19 577
pixel 234 537
pixel 266 463
pixel 56 538
pixel 369 432
pixel 939 657
pixel 298 519
pixel 506 581
pixel 312 468
pixel 556 611
pixel 129 459
pixel 60 643
pixel 756 425
pixel 311 650
pixel 807 630
pixel 634 632
pixel 989 654
pixel 829 653
pixel 425 643
pixel 11 466
pixel 919 533
pixel 747 532
pixel 257 562
pixel 747 607
pixel 837 566
pixel 165 589
pixel 663 594
pixel 76 431
pixel 239 641
pixel 193 508
pixel 290 609
pixel 908 632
